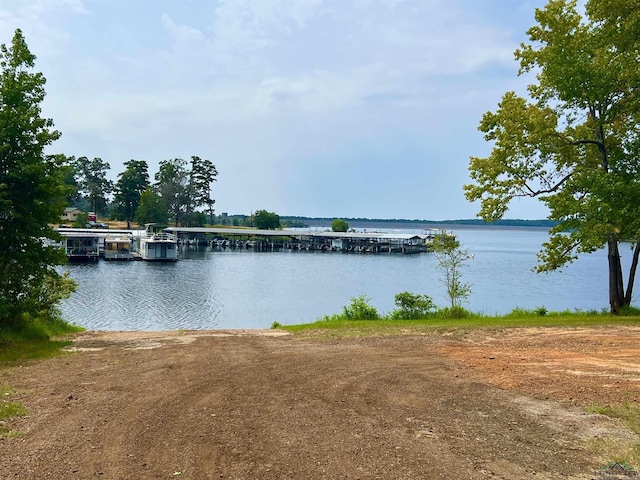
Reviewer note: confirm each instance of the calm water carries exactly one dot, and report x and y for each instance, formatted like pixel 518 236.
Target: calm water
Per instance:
pixel 244 289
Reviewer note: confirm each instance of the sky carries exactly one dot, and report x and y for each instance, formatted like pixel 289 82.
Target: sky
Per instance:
pixel 319 108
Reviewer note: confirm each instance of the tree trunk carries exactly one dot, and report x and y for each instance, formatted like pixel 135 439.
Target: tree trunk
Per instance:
pixel 616 288
pixel 632 272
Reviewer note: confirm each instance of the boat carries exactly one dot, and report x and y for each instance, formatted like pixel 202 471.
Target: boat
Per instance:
pixel 158 245
pixel 82 247
pixel 118 247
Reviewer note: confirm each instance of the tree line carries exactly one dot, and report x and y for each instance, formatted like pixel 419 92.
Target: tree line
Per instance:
pixel 181 190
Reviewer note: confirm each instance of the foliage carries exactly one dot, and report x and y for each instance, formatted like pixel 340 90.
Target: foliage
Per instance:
pixel 129 188
pixel 172 185
pixel 203 174
pixel 196 219
pixel 338 326
pixel 453 313
pixel 55 289
pixel 32 189
pixel 152 208
pixel 339 225
pixel 451 261
pixel 74 198
pixel 575 143
pixel 359 309
pixel 412 306
pixel 264 220
pixel 34 340
pixel 91 178
pixel 81 220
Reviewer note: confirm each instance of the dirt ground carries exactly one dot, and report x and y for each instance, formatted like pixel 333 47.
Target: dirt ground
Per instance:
pixel 504 404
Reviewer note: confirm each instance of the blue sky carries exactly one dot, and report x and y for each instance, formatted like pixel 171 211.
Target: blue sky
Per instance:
pixel 332 108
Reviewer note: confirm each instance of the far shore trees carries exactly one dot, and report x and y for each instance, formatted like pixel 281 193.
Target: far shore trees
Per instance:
pixel 339 225
pixel 32 194
pixel 264 220
pixel 575 142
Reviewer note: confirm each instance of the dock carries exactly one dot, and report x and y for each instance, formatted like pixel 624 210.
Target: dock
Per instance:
pixel 298 239
pixel 113 244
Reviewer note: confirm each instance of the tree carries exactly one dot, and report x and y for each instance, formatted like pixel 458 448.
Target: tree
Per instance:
pixel 173 186
pixel 339 225
pixel 266 220
pixel 575 143
pixel 451 261
pixel 152 208
pixel 203 174
pixel 73 196
pixel 32 192
pixel 91 176
pixel 129 187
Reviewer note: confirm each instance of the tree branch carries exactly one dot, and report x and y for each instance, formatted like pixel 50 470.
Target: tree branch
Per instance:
pixel 554 188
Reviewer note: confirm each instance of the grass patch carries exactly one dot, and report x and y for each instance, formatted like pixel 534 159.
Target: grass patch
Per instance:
pixel 12 409
pixel 35 340
pixel 418 313
pixel 628 412
pixel 20 349
pixel 473 321
pixel 8 410
pixel 615 449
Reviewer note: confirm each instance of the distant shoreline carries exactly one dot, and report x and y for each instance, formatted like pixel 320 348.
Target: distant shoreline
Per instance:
pixel 418 224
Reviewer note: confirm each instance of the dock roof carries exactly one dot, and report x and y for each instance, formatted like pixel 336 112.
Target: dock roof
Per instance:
pixel 295 233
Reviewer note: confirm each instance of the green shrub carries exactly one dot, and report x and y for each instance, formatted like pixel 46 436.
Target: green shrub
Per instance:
pixel 541 311
pixel 629 311
pixel 411 306
pixel 359 309
pixel 453 313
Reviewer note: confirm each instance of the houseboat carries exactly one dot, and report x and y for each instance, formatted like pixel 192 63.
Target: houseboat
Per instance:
pixel 118 247
pixel 158 246
pixel 82 247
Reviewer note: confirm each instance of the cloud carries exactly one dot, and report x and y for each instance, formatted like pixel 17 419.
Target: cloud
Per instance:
pixel 42 22
pixel 268 86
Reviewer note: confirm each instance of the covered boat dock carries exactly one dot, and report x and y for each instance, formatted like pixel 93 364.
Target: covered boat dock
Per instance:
pixel 299 239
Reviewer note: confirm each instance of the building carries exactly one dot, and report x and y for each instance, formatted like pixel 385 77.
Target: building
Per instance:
pixel 70 214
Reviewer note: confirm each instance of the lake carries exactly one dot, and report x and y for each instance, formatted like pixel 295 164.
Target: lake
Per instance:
pixel 215 289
